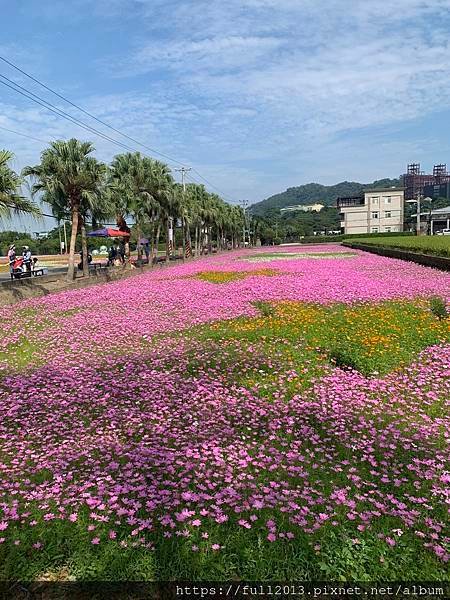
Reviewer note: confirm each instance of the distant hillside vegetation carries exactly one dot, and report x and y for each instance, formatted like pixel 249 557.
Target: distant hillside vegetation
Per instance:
pixel 315 192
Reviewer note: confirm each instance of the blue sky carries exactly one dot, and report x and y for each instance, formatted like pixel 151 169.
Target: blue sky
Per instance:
pixel 258 95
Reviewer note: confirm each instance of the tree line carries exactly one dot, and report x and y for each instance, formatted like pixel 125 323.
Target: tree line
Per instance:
pixel 86 191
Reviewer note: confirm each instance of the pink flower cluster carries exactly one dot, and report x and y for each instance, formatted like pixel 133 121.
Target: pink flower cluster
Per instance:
pixel 164 442
pixel 74 323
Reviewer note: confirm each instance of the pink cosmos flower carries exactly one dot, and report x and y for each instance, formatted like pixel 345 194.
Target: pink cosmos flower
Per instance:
pixel 390 541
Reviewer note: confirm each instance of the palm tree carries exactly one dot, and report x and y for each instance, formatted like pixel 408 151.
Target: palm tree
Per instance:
pixel 70 180
pixel 142 188
pixel 10 199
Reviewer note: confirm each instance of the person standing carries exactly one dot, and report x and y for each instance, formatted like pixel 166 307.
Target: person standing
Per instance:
pixel 146 248
pixel 27 259
pixel 11 259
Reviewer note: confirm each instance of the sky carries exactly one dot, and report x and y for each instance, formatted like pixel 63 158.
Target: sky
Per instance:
pixel 256 95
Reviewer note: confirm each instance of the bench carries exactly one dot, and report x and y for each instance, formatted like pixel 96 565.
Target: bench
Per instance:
pixel 96 267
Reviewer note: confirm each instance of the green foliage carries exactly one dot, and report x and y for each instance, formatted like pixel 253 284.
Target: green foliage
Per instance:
pixel 292 226
pixel 10 199
pixel 318 239
pixel 438 307
pixel 265 308
pixel 427 244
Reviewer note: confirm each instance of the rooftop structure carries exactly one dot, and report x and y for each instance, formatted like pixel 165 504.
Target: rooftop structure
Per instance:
pixel 415 180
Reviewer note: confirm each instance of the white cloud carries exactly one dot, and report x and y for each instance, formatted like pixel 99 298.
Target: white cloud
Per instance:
pixel 270 85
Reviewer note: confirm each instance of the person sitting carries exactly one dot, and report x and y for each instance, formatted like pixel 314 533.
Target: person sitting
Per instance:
pixel 80 264
pixel 34 266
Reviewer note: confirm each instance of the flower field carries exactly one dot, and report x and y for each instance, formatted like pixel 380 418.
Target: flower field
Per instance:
pixel 238 416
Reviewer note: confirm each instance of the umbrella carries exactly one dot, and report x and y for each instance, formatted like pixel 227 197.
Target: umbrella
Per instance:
pixel 143 241
pixel 108 232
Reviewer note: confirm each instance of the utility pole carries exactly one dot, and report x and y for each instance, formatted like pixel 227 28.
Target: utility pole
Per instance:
pixel 418 201
pixel 244 204
pixel 183 172
pixel 419 198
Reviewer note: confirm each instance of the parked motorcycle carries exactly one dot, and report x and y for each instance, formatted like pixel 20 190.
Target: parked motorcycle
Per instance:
pixel 19 268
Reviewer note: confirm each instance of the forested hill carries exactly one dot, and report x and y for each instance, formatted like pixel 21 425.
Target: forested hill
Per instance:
pixel 315 192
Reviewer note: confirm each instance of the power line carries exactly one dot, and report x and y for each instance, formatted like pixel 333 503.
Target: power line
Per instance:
pixel 13 206
pixel 88 113
pixel 209 183
pixel 60 113
pixel 192 180
pixel 24 135
pixel 11 64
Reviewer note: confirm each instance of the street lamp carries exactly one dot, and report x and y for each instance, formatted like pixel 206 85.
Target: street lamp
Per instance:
pixel 417 201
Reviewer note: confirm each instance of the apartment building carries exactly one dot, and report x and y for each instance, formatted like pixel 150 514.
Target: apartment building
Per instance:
pixel 376 211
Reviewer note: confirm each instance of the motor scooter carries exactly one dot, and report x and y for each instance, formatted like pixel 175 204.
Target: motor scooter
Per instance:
pixel 20 269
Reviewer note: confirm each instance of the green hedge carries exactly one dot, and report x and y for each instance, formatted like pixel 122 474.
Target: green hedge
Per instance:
pixel 426 244
pixel 318 239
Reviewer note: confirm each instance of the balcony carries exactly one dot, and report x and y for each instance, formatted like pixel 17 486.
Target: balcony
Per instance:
pixel 350 202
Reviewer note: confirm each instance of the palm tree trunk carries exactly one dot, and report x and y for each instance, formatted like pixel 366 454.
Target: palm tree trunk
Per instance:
pixel 183 237
pixel 73 239
pixel 158 233
pixel 188 238
pixel 84 248
pixel 196 241
pixel 167 241
pixel 204 237
pixel 139 247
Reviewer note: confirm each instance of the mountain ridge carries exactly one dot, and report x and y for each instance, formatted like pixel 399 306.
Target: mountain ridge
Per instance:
pixel 310 193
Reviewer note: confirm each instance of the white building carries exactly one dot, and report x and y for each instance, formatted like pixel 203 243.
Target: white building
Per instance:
pixel 377 211
pixel 303 207
pixel 434 221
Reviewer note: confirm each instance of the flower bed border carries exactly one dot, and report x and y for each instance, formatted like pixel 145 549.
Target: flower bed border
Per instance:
pixel 429 260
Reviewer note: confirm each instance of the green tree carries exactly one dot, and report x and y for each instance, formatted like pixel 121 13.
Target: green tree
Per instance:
pixel 141 188
pixel 11 200
pixel 71 181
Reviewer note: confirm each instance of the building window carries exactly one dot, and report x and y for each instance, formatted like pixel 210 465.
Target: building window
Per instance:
pixel 388 200
pixel 374 215
pixel 375 199
pixel 387 214
pixel 374 230
pixel 388 229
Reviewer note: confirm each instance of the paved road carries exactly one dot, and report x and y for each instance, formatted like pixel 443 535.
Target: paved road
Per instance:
pixel 51 271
